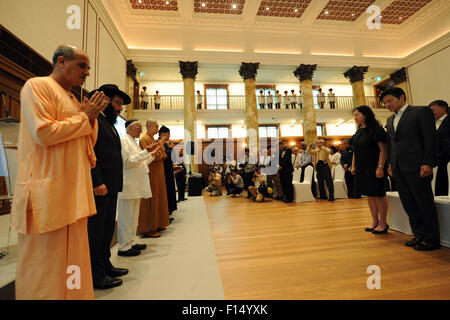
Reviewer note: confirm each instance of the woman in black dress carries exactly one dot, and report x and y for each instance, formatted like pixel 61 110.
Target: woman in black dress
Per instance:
pixel 369 157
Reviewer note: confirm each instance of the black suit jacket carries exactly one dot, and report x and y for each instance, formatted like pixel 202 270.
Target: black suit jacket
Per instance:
pixel 109 166
pixel 413 144
pixel 286 161
pixel 443 136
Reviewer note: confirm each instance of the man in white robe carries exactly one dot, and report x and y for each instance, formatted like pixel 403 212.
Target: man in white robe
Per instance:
pixel 136 185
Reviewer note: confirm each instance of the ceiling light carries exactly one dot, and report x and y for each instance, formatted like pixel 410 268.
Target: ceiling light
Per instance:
pixel 267 9
pixel 234 6
pixel 353 14
pixel 400 18
pixel 203 5
pixel 140 1
pixel 167 2
pixel 296 10
pixel 326 12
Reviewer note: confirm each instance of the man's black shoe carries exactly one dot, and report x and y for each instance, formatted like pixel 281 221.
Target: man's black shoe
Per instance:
pixel 331 199
pixel 413 242
pixel 129 253
pixel 107 283
pixel 426 246
pixel 116 272
pixel 139 246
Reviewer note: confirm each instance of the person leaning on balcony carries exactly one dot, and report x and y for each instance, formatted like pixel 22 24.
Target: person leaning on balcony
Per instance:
pixel 300 99
pixel 144 98
pixel 331 98
pixel 293 99
pixel 261 100
pixel 286 100
pixel 199 99
pixel 278 99
pixel 269 101
pixel 157 100
pixel 321 98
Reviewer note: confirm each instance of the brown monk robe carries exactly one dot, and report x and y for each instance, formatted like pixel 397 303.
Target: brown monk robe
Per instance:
pixel 154 212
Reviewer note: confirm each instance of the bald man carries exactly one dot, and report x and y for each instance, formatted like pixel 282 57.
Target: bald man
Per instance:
pixel 54 194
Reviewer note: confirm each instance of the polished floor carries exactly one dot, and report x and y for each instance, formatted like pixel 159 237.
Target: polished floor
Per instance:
pixel 317 250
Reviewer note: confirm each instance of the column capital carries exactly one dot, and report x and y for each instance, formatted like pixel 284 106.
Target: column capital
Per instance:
pixel 248 70
pixel 356 73
pixel 399 76
pixel 131 69
pixel 189 69
pixel 305 71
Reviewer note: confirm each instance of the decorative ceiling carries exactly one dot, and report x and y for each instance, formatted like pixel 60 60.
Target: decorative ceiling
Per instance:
pixel 161 5
pixel 283 8
pixel 400 10
pixel 231 7
pixel 344 10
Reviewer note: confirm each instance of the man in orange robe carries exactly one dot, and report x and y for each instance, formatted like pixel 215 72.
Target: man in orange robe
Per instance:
pixel 154 212
pixel 53 194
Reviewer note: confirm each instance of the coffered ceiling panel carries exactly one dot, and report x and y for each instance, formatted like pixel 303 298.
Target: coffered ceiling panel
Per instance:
pixel 231 7
pixel 283 8
pixel 344 10
pixel 400 10
pixel 160 5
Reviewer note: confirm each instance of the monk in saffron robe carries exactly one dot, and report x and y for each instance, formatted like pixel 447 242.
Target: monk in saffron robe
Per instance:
pixel 154 212
pixel 53 194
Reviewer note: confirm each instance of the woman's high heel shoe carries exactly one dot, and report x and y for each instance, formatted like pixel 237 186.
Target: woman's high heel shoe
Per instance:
pixel 382 231
pixel 368 229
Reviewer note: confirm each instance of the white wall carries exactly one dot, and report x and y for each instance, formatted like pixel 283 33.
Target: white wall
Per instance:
pixel 42 25
pixel 429 79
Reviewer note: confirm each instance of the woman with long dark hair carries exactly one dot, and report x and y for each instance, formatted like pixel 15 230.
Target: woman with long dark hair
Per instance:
pixel 369 157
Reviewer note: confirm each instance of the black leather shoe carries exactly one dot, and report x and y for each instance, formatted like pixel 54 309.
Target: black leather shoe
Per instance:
pixel 129 253
pixel 413 242
pixel 139 246
pixel 331 199
pixel 368 229
pixel 382 231
pixel 427 246
pixel 107 283
pixel 323 198
pixel 116 272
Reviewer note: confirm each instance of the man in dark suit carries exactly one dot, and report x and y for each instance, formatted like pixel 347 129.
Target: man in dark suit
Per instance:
pixel 440 110
pixel 285 170
pixel 411 150
pixel 107 181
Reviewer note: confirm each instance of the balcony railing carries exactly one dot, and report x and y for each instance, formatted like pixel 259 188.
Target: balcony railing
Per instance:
pixel 238 103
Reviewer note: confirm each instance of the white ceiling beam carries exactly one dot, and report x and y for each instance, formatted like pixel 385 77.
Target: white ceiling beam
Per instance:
pixel 186 9
pixel 313 10
pixel 362 19
pixel 250 10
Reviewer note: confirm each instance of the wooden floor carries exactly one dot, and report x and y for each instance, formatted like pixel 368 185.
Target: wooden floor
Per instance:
pixel 318 250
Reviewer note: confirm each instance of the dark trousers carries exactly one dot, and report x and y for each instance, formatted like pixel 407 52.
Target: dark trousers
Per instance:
pixel 293 105
pixel 349 182
pixel 270 105
pixel 441 188
pixel 277 105
pixel 144 105
pixel 181 185
pixel 100 231
pixel 235 189
pixel 321 104
pixel 417 199
pixel 262 106
pixel 286 185
pixel 332 105
pixel 157 105
pixel 324 176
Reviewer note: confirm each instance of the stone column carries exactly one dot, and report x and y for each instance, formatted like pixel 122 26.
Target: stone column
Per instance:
pixel 131 80
pixel 189 72
pixel 304 74
pixel 401 80
pixel 356 76
pixel 248 72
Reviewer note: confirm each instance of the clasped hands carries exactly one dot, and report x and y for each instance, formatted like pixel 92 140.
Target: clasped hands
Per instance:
pixel 93 106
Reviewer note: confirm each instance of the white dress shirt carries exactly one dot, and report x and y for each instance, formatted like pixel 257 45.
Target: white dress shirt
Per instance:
pixel 439 121
pixel 398 116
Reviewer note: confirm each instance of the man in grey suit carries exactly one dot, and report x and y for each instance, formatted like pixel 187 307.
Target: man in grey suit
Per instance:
pixel 412 154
